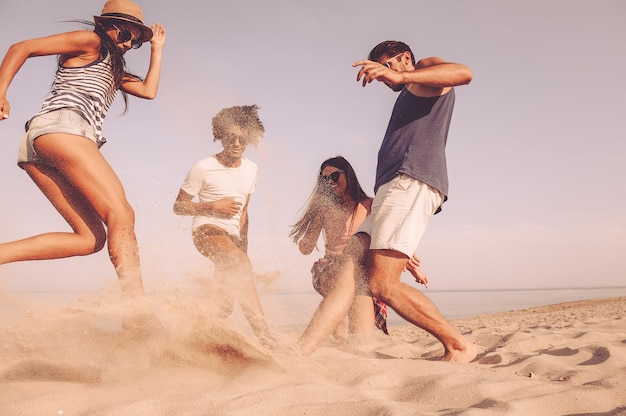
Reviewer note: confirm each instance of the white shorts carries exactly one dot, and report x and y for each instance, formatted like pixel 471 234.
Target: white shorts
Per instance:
pixel 58 121
pixel 400 212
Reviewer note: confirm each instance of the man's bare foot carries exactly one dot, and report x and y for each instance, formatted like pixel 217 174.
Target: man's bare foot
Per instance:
pixel 461 355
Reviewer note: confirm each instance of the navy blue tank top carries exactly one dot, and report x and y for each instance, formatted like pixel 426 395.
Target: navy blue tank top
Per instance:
pixel 415 140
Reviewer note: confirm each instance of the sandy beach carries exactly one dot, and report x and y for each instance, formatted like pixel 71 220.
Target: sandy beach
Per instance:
pixel 564 359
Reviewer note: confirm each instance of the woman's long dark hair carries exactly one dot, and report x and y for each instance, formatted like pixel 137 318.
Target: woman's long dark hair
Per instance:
pixel 118 63
pixel 322 198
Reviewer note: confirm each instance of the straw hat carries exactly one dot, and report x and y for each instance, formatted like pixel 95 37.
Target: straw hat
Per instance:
pixel 127 11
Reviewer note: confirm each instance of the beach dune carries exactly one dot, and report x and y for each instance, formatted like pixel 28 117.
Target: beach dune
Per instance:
pixel 564 359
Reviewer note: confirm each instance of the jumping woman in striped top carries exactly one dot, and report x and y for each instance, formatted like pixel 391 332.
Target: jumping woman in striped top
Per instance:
pixel 60 150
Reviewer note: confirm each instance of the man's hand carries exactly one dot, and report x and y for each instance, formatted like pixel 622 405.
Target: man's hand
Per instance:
pixel 225 207
pixel 412 266
pixel 371 70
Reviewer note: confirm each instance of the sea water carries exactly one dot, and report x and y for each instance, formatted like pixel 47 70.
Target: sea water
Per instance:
pixel 292 311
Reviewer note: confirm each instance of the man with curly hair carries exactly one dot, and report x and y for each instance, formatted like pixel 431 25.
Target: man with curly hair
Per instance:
pixel 223 184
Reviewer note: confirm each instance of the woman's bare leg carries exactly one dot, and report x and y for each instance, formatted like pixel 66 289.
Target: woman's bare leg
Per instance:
pixel 361 316
pixel 340 334
pixel 331 310
pixel 84 189
pixel 87 236
pixel 80 162
pixel 335 306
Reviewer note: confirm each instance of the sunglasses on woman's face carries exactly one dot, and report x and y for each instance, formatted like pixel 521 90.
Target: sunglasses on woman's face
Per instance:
pixel 125 35
pixel 332 177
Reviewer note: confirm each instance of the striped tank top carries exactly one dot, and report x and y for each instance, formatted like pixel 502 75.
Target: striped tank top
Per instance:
pixel 89 90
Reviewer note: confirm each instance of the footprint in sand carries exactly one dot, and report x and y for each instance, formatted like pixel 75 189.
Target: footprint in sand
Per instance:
pixel 600 355
pixel 42 371
pixel 491 359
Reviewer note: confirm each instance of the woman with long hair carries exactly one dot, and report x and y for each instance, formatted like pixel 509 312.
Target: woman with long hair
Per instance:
pixel 335 209
pixel 60 150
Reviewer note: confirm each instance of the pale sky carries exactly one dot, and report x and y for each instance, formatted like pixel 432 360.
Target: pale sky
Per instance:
pixel 536 151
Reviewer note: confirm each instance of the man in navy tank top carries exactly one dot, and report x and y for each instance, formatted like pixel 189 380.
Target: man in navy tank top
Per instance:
pixel 411 185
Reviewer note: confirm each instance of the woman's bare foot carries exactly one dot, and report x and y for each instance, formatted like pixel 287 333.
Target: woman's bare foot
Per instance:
pixel 139 318
pixel 142 323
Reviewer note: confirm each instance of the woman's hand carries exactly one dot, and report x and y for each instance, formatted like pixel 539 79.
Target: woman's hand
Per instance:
pixel 412 266
pixel 5 108
pixel 158 35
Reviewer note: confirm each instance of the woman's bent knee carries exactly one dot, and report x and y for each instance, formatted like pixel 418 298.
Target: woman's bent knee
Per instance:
pixel 120 216
pixel 89 245
pixel 100 243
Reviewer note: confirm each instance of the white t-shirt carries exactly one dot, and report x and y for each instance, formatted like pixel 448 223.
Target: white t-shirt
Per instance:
pixel 210 180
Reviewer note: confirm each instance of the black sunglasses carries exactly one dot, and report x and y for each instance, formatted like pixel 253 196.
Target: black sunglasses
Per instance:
pixel 332 177
pixel 229 138
pixel 124 35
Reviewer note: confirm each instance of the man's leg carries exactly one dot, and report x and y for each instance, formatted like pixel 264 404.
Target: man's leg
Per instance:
pixel 221 291
pixel 233 265
pixel 384 268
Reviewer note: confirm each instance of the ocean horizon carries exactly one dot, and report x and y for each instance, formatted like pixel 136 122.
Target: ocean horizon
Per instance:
pixel 292 311
pixel 452 304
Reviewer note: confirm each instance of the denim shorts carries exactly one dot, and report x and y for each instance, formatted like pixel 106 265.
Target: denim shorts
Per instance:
pixel 58 121
pixel 400 213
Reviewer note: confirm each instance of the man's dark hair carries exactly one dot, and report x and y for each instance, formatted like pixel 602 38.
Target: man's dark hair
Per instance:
pixel 390 48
